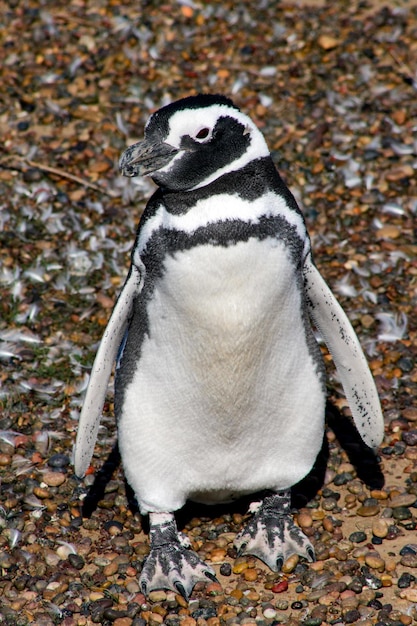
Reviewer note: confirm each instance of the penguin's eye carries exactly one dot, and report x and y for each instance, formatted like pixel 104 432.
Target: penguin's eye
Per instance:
pixel 203 133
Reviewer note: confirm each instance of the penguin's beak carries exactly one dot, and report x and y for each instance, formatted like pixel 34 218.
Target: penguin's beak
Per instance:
pixel 145 157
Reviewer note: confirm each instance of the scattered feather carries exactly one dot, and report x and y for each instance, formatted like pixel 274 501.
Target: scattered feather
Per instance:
pixel 320 580
pixel 8 351
pixel 393 208
pixel 8 436
pixel 68 548
pixel 54 610
pixel 37 274
pixel 42 442
pixel 14 535
pixel 393 326
pixel 17 336
pixel 21 465
pixel 121 125
pixel 32 502
pixel 345 287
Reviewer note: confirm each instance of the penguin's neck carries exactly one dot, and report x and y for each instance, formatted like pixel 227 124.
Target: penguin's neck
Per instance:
pixel 249 183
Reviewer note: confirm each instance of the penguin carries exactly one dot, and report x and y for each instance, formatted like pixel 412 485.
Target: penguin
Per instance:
pixel 220 386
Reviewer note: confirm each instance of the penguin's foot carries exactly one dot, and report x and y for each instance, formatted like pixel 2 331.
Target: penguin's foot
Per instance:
pixel 272 536
pixel 170 563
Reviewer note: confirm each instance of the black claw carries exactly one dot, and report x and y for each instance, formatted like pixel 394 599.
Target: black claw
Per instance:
pixel 181 590
pixel 144 588
pixel 242 549
pixel 211 576
pixel 311 554
pixel 280 563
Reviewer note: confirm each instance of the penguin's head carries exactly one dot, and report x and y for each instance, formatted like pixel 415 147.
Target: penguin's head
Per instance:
pixel 191 142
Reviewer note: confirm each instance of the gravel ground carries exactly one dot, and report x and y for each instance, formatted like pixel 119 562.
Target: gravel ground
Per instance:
pixel 333 88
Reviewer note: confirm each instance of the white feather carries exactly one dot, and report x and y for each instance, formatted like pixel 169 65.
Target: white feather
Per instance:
pixel 393 326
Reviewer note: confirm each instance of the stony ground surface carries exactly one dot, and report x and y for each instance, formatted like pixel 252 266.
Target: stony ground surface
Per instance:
pixel 333 88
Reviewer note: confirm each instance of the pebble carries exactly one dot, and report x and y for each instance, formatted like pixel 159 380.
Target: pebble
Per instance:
pixel 368 511
pixel 5 459
pixel 329 504
pixel 329 599
pixel 370 579
pixel 380 528
pixel 76 561
pixel 409 594
pixel 297 605
pixel 389 231
pixel 6 560
pixel 157 596
pixel 343 478
pixel 240 565
pixel 350 501
pixel 327 42
pixel 409 560
pixel 111 568
pixel 54 479
pixel 357 537
pixel 402 500
pixel 328 524
pixel 401 513
pixel 282 605
pixel 290 564
pixel 123 621
pixel 280 587
pixel 386 580
pixel 410 437
pixel 410 414
pixel 313 621
pixel 352 616
pixel 41 493
pixel 59 461
pixel 251 575
pixel 225 569
pixel 405 580
pixel 214 589
pixel 379 494
pixel 373 560
pixel 217 555
pixel 304 519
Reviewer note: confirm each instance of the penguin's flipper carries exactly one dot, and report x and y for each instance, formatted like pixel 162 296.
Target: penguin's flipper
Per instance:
pixel 171 564
pixel 101 371
pixel 271 535
pixel 350 361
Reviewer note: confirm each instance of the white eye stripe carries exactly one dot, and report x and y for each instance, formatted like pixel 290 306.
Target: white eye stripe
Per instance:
pixel 191 122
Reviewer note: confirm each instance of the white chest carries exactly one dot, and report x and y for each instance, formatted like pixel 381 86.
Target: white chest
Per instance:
pixel 224 370
pixel 220 310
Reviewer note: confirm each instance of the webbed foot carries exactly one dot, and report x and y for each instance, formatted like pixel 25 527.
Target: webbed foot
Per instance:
pixel 170 563
pixel 272 536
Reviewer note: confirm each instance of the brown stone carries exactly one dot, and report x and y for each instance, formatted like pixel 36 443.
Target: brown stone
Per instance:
pixel 54 479
pixel 368 511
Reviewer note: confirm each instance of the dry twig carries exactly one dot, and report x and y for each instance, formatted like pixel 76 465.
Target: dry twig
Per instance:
pixel 59 172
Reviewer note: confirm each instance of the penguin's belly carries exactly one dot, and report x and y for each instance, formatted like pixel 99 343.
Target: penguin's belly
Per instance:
pixel 227 397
